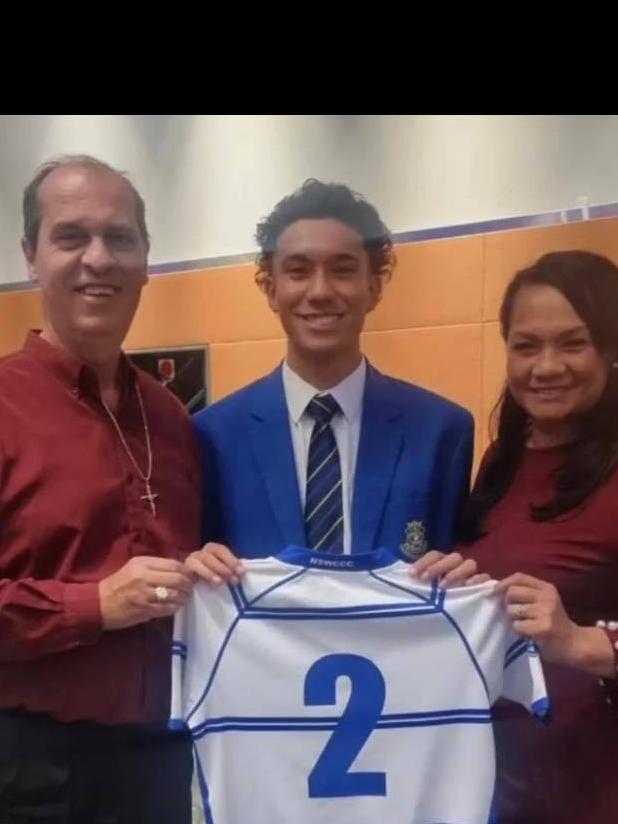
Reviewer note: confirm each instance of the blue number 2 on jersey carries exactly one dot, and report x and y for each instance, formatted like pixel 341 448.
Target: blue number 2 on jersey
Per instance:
pixel 330 777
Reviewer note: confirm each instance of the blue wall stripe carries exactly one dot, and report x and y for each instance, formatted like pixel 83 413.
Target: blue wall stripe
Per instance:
pixel 482 227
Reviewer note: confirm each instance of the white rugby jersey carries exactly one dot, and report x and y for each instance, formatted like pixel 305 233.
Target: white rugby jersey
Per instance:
pixel 338 690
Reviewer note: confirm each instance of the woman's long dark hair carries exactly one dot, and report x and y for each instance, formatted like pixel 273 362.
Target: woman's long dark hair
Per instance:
pixel 590 283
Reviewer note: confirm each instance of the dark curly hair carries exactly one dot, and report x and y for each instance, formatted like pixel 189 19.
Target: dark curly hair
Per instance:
pixel 316 200
pixel 590 283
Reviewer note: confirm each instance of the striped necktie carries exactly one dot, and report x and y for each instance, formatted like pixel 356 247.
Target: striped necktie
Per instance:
pixel 323 498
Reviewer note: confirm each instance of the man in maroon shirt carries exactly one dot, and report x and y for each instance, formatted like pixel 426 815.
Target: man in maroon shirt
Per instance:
pixel 99 504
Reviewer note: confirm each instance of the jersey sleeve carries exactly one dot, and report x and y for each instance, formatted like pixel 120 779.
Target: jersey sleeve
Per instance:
pixel 202 630
pixel 510 665
pixel 523 679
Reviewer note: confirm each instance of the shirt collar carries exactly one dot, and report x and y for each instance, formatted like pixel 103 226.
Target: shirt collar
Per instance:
pixel 348 393
pixel 69 369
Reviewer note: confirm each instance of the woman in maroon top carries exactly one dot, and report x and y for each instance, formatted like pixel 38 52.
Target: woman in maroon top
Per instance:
pixel 543 517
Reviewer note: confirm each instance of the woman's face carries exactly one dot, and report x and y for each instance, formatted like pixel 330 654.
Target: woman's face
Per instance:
pixel 554 370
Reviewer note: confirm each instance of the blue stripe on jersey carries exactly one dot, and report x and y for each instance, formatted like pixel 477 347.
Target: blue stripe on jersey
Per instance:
pixel 335 719
pixel 493 810
pixel 468 648
pixel 449 618
pixel 177 724
pixel 428 605
pixel 515 646
pixel 516 650
pixel 342 613
pixel 435 597
pixel 329 723
pixel 541 709
pixel 271 588
pixel 203 789
pixel 180 649
pixel 237 597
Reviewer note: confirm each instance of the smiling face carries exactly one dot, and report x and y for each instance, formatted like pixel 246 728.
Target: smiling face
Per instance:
pixel 90 258
pixel 322 287
pixel 554 370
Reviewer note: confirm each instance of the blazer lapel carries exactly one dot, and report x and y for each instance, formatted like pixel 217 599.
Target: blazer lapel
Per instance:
pixel 381 441
pixel 271 442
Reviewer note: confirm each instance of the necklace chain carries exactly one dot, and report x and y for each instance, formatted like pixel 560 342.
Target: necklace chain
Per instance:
pixel 145 476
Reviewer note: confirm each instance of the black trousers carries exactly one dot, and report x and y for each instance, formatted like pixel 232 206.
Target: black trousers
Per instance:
pixel 82 773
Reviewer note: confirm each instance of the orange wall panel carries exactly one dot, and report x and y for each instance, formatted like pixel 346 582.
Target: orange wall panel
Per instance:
pixel 232 365
pixel 435 283
pixel 211 305
pixel 19 311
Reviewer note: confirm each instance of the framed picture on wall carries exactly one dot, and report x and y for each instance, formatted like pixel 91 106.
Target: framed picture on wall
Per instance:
pixel 184 370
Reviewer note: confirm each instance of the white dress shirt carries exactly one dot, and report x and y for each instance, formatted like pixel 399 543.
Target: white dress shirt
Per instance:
pixel 346 429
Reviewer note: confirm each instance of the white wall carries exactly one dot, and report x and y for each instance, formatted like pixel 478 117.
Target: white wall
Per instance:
pixel 207 179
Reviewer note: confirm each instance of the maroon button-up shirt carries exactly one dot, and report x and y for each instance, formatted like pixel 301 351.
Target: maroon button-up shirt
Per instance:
pixel 71 513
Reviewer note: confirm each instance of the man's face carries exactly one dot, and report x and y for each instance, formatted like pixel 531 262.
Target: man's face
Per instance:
pixel 90 259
